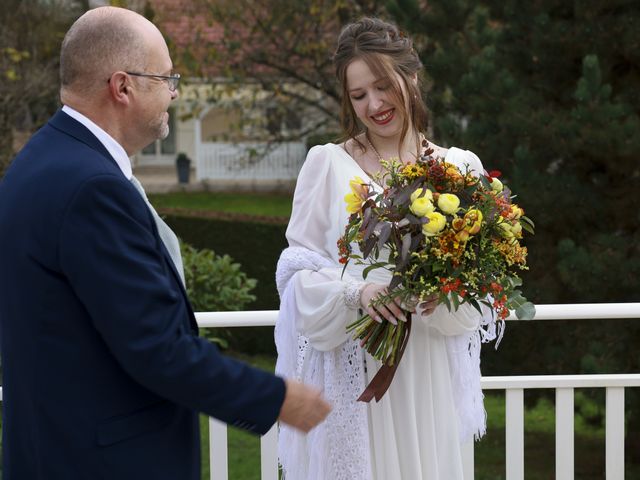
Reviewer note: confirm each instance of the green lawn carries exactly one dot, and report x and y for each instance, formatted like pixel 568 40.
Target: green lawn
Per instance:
pixel 243 203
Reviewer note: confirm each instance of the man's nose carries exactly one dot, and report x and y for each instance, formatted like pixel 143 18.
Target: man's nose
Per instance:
pixel 174 94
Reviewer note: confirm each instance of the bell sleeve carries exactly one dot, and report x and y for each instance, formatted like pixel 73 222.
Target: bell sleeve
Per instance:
pixel 326 300
pixel 464 320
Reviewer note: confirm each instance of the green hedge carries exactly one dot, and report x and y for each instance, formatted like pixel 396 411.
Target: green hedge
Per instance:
pixel 256 246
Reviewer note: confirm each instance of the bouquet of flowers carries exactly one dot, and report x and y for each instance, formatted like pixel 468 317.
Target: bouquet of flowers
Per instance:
pixel 440 231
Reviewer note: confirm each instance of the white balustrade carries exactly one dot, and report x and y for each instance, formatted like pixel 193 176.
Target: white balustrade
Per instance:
pixel 250 161
pixel 514 433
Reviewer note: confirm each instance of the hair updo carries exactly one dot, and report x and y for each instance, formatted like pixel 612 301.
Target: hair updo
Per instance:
pixel 387 52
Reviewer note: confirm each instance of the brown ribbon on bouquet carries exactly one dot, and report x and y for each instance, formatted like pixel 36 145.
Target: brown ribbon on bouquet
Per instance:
pixel 380 382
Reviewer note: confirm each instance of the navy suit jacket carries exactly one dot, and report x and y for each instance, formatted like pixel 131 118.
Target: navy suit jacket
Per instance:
pixel 103 370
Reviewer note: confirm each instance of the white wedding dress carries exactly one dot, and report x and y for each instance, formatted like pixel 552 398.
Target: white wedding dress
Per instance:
pixel 413 432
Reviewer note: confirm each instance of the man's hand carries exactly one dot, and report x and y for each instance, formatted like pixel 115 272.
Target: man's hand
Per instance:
pixel 303 406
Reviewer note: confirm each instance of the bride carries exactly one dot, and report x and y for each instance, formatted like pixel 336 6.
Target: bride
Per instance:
pixel 434 402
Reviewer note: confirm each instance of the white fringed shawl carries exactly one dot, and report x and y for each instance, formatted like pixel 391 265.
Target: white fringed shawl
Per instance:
pixel 338 448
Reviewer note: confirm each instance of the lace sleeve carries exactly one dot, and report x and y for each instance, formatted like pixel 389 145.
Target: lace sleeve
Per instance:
pixel 352 290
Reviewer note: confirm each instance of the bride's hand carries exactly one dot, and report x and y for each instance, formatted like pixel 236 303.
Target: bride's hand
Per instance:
pixel 391 310
pixel 428 305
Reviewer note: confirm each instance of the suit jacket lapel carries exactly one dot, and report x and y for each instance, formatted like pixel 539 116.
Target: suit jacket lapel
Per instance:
pixel 64 123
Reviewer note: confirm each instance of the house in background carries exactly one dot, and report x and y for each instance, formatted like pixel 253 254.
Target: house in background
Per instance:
pixel 227 150
pixel 237 135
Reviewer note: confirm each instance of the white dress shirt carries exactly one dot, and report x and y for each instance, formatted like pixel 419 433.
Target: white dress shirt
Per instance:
pixel 112 146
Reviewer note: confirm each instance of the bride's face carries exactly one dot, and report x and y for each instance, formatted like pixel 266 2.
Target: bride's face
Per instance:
pixel 373 100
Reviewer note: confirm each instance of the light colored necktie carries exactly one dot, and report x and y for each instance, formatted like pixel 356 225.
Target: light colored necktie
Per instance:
pixel 167 236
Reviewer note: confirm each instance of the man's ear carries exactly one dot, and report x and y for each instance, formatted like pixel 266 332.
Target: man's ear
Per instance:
pixel 120 87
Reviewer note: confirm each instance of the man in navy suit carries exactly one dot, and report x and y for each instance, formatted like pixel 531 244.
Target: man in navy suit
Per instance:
pixel 104 374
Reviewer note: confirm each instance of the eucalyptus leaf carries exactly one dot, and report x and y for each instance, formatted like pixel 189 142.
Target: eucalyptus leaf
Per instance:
pixel 413 219
pixel 528 220
pixel 403 196
pixel 415 241
pixel 369 243
pixel 528 228
pixel 526 311
pixel 383 236
pixel 406 244
pixel 366 215
pixel 373 223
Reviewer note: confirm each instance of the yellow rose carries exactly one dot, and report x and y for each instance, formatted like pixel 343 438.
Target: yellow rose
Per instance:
pixel 516 229
pixel 448 203
pixel 496 185
pixel 437 222
pixel 422 192
pixel 421 206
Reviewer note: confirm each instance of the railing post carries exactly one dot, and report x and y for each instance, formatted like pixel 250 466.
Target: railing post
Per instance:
pixel 514 412
pixel 615 433
pixel 564 434
pixel 269 454
pixel 218 457
pixel 468 466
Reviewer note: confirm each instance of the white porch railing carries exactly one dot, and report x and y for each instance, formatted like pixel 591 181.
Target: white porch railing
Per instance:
pixel 250 161
pixel 514 387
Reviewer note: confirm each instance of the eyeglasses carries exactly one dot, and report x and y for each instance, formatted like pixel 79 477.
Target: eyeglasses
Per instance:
pixel 172 80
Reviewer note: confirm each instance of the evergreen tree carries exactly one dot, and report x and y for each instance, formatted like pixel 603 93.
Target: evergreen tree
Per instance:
pixel 547 92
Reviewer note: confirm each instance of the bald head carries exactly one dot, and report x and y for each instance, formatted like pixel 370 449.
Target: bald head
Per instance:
pixel 102 41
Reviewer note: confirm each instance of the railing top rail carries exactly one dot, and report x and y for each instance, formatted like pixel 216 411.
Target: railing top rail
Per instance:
pixel 575 311
pixel 561 381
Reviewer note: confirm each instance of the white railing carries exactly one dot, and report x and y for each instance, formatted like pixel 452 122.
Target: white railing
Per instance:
pixel 250 161
pixel 513 386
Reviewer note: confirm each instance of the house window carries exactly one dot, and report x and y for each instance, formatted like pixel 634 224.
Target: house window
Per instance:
pixel 280 120
pixel 274 120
